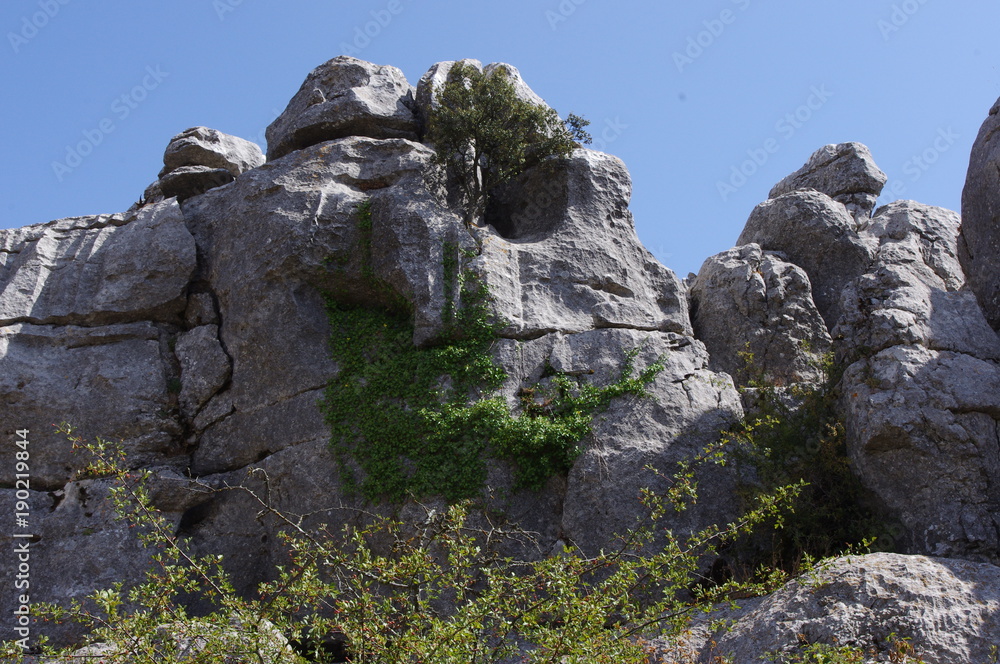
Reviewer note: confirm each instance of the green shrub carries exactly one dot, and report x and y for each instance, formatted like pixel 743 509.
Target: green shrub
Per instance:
pixel 432 590
pixel 485 134
pixel 795 435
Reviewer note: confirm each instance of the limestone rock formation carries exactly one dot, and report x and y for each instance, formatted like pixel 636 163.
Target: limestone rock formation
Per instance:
pixel 981 218
pixel 816 233
pixel 193 328
pixel 945 611
pixel 921 397
pixel 747 301
pixel 199 159
pixel 565 256
pixel 203 333
pixel 846 173
pixel 345 97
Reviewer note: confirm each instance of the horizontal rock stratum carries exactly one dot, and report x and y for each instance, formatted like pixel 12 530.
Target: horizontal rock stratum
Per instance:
pixel 193 328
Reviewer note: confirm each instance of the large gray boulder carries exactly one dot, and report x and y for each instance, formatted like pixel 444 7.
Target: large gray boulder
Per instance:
pixel 816 233
pixel 942 611
pixel 345 97
pixel 845 172
pixel 201 146
pixel 981 218
pixel 921 394
pixel 748 301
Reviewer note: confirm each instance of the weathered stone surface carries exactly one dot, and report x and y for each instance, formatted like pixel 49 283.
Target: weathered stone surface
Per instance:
pixel 205 367
pixel 565 256
pixel 97 270
pixel 981 218
pixel 927 232
pixel 285 233
pixel 816 233
pixel 187 181
pixel 922 429
pixel 108 381
pixel 201 310
pixel 201 146
pixel 345 97
pixel 912 294
pixel 80 546
pixel 921 401
pixel 845 172
pixel 746 300
pixel 948 611
pixel 688 406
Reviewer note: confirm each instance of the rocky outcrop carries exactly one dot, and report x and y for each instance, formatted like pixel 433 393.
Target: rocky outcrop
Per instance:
pixel 884 605
pixel 345 97
pixel 816 233
pixel 213 366
pixel 193 328
pixel 565 256
pixel 199 159
pixel 747 301
pixel 97 270
pixel 981 218
pixel 846 173
pixel 921 397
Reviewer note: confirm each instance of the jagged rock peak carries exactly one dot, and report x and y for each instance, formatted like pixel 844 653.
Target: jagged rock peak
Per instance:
pixel 845 172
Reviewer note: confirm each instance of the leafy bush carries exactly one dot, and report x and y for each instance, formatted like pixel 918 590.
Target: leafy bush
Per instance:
pixel 486 135
pixel 795 435
pixel 432 590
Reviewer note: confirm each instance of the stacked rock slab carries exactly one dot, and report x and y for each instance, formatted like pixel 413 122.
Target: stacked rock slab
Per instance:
pixel 212 367
pixel 199 159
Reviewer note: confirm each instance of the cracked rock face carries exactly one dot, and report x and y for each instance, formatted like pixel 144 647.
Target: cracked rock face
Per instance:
pixel 921 397
pixel 816 233
pixel 197 334
pixel 747 301
pixel 97 270
pixel 981 218
pixel 199 330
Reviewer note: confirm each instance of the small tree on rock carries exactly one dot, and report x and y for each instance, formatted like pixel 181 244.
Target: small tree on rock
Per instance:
pixel 485 134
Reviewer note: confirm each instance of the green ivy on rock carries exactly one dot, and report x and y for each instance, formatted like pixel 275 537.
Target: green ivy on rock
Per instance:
pixel 424 421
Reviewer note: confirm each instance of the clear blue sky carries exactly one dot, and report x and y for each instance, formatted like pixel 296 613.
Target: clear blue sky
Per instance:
pixel 684 91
